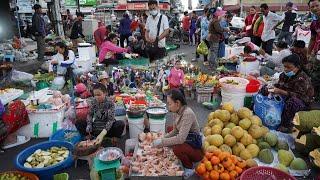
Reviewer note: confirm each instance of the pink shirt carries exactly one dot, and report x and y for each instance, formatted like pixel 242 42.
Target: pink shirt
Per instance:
pixel 109 47
pixel 176 77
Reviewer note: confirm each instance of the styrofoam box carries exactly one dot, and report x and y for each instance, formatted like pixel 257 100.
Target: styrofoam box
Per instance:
pixel 85 65
pixel 43 123
pixel 86 52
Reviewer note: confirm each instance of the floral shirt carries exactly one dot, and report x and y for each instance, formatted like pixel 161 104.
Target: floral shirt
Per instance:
pixel 101 115
pixel 298 86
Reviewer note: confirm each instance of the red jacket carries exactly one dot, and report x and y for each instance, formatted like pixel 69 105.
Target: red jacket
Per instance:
pixel 100 35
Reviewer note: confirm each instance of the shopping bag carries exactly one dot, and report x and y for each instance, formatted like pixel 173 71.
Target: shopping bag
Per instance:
pixel 269 109
pixel 202 48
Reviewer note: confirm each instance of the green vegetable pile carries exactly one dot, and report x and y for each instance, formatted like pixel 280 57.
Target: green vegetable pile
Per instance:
pixel 46 77
pixel 12 176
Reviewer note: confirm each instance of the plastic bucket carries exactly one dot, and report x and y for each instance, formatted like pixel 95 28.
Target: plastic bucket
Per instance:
pixel 136 126
pixel 157 125
pixel 237 99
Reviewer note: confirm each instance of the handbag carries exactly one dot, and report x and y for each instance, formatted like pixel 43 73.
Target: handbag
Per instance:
pixel 154 47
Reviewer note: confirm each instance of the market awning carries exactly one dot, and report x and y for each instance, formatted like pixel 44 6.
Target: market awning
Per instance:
pixel 278 7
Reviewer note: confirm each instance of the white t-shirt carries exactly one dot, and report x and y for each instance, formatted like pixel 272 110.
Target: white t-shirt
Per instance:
pixel 152 28
pixel 62 64
pixel 269 22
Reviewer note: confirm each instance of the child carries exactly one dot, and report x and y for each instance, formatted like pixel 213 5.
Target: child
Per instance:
pixel 176 76
pixel 101 115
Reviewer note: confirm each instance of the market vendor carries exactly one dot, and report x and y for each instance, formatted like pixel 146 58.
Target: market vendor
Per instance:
pixel 185 138
pixel 295 85
pixel 109 51
pixel 105 80
pixel 274 62
pixel 101 115
pixel 176 76
pixel 63 61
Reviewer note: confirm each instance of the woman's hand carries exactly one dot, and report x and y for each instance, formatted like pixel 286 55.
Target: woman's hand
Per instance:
pixel 280 91
pixel 156 143
pixel 54 62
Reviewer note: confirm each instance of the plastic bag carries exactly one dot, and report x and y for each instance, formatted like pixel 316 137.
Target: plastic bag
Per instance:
pixel 203 48
pixel 269 109
pixel 19 76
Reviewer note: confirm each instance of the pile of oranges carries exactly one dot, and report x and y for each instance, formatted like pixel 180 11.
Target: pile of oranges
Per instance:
pixel 219 165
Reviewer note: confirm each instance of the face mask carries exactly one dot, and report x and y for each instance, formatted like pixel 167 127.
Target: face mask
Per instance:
pixel 154 12
pixel 290 73
pixel 314 17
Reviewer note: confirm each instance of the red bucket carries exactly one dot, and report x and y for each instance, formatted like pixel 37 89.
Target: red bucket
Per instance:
pixel 253 86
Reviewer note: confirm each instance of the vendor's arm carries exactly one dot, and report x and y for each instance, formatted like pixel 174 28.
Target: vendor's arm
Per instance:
pixel 117 49
pixel 70 61
pixel 111 115
pixel 147 31
pixel 180 138
pixel 80 31
pixel 90 113
pixel 171 133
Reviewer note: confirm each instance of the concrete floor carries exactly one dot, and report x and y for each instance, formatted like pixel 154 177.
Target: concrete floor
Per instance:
pixel 7 159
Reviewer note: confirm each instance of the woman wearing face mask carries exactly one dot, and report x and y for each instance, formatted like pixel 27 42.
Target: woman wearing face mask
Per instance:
pixel 185 139
pixel 101 115
pixel 109 50
pixel 295 86
pixel 63 61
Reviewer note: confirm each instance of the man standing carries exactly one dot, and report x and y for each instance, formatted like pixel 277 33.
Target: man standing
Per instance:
pixel 76 30
pixel 185 27
pixel 215 35
pixel 270 19
pixel 39 30
pixel 157 29
pixel 124 29
pixel 288 22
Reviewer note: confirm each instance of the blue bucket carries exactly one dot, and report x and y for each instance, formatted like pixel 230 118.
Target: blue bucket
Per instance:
pixel 46 172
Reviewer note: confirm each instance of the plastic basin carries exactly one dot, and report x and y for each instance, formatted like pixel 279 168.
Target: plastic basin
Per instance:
pixel 47 172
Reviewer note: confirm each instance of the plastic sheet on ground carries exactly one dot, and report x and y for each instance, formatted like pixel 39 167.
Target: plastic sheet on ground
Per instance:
pixel 19 76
